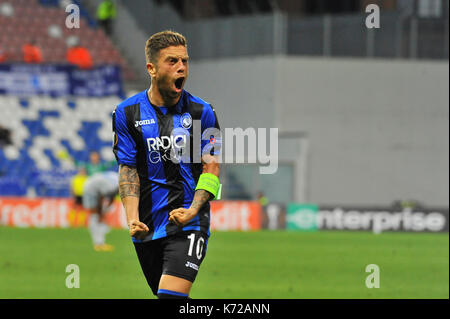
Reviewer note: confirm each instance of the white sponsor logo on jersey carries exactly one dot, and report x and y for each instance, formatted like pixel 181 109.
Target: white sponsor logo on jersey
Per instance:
pixel 144 122
pixel 166 142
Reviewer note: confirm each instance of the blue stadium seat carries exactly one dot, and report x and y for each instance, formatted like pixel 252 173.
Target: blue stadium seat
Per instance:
pixel 44 129
pixel 24 103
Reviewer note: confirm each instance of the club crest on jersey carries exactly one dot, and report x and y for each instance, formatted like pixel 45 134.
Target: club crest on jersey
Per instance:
pixel 186 120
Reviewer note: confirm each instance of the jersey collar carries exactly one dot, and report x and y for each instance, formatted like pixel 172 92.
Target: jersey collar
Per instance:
pixel 178 107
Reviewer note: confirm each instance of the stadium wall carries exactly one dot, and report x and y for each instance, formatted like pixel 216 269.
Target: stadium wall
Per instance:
pixel 377 129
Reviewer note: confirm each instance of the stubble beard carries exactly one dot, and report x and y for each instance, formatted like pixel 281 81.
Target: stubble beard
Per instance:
pixel 169 96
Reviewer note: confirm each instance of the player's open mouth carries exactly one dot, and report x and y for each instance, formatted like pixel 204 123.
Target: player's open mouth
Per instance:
pixel 179 83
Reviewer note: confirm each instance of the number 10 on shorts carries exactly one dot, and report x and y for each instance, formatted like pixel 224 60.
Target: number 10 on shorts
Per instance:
pixel 199 246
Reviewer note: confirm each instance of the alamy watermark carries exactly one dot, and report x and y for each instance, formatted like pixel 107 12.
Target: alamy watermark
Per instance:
pixel 230 145
pixel 373 280
pixel 233 145
pixel 373 19
pixel 73 18
pixel 73 279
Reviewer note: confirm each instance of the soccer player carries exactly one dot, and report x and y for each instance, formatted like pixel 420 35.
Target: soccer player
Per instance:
pixel 99 192
pixel 77 185
pixel 164 190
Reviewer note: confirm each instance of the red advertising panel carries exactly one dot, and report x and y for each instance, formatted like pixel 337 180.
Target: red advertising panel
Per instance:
pixel 52 212
pixel 62 212
pixel 235 215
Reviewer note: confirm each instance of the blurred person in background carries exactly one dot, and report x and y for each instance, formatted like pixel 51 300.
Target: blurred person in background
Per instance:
pixel 99 192
pixel 78 55
pixel 262 199
pixel 410 204
pixel 77 185
pixel 106 12
pixel 5 136
pixel 32 53
pixel 96 165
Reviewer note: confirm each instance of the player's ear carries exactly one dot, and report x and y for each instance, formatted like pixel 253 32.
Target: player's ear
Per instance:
pixel 151 69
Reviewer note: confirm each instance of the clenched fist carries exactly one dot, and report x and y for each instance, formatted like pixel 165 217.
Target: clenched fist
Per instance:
pixel 181 216
pixel 138 229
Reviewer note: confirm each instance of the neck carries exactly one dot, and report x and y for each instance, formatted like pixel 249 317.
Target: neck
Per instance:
pixel 156 98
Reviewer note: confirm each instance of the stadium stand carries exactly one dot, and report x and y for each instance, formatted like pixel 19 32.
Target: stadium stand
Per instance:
pixel 44 22
pixel 49 135
pixel 45 130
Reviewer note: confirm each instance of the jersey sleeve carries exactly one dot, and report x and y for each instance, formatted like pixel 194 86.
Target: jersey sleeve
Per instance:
pixel 124 146
pixel 211 135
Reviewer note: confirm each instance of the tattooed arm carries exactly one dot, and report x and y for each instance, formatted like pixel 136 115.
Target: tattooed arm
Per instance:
pixel 129 187
pixel 210 165
pixel 181 216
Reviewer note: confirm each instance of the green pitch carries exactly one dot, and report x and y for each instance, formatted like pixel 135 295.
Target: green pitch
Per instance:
pixel 238 265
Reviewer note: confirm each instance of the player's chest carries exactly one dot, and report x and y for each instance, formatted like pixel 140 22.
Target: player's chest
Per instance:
pixel 163 132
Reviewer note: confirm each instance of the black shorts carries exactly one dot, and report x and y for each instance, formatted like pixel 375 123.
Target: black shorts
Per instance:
pixel 179 255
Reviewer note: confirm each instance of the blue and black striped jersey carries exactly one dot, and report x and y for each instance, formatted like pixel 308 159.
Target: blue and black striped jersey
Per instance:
pixel 161 143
